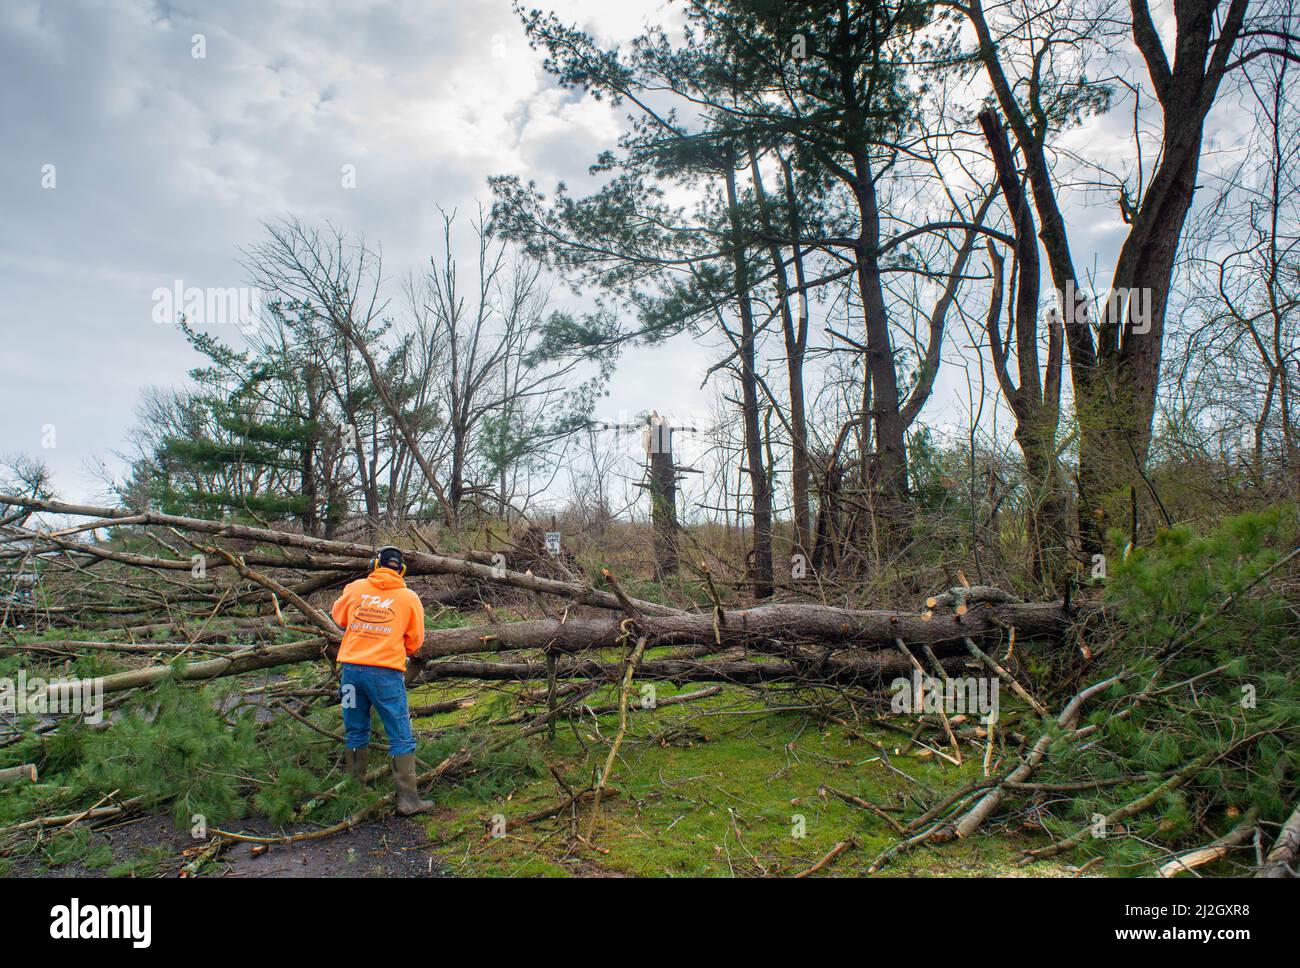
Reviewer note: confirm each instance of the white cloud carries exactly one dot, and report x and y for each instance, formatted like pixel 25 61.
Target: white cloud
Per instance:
pixel 166 164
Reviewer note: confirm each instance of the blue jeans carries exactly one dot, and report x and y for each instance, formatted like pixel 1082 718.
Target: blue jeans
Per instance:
pixel 384 690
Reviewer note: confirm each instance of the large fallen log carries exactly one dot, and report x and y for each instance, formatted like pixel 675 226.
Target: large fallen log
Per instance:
pixel 14 774
pixel 764 625
pixel 811 640
pixel 250 660
pixel 872 671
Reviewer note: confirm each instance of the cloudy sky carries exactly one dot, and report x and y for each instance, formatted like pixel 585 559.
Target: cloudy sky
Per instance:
pixel 165 163
pixel 131 163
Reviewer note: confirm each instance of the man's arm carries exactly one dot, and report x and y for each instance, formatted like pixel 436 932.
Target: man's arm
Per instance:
pixel 339 612
pixel 413 639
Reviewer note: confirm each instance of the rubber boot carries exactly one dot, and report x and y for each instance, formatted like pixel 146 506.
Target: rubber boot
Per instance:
pixel 357 762
pixel 408 799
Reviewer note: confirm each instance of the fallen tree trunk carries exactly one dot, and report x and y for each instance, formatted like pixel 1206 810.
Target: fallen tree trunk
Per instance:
pixel 251 660
pixel 807 638
pixel 764 625
pixel 869 670
pixel 872 671
pixel 216 630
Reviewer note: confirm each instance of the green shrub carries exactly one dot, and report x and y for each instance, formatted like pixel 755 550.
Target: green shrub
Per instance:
pixel 1236 673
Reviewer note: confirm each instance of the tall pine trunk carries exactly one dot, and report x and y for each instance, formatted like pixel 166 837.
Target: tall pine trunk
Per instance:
pixel 759 484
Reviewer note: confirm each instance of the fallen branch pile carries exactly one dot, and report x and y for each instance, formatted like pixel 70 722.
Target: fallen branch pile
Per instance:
pixel 779 643
pixel 216 594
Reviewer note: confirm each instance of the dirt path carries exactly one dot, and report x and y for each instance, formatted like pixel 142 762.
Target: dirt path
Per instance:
pixel 151 846
pixel 388 847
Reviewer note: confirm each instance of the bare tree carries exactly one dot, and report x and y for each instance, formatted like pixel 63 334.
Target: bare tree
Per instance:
pixel 341 281
pixel 1035 58
pixel 1239 363
pixel 1033 396
pixel 506 398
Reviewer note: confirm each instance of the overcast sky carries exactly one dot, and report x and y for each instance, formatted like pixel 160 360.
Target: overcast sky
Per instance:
pixel 164 164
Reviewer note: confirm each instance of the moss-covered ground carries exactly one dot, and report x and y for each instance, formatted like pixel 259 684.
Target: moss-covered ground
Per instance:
pixel 717 787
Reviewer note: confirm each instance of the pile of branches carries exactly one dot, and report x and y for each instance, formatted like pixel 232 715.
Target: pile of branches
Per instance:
pixel 234 598
pixel 791 642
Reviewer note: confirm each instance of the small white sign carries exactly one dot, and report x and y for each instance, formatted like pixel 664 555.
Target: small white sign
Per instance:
pixel 553 542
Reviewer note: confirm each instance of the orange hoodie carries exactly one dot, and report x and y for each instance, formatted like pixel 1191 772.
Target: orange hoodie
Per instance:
pixel 382 621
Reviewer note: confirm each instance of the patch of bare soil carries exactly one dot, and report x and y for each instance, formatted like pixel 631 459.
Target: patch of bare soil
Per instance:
pixel 389 846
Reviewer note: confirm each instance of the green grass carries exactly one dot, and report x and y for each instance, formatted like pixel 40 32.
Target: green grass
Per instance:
pixel 150 862
pixel 709 790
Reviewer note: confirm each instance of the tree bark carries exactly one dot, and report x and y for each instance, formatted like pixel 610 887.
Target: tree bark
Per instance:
pixel 1115 377
pixel 760 486
pixel 796 344
pixel 1036 400
pixel 1281 860
pixel 776 627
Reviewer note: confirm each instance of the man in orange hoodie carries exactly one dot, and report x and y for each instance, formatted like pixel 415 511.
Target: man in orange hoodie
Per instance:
pixel 383 624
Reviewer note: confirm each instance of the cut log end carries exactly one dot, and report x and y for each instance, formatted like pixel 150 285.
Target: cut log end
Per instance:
pixel 17 774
